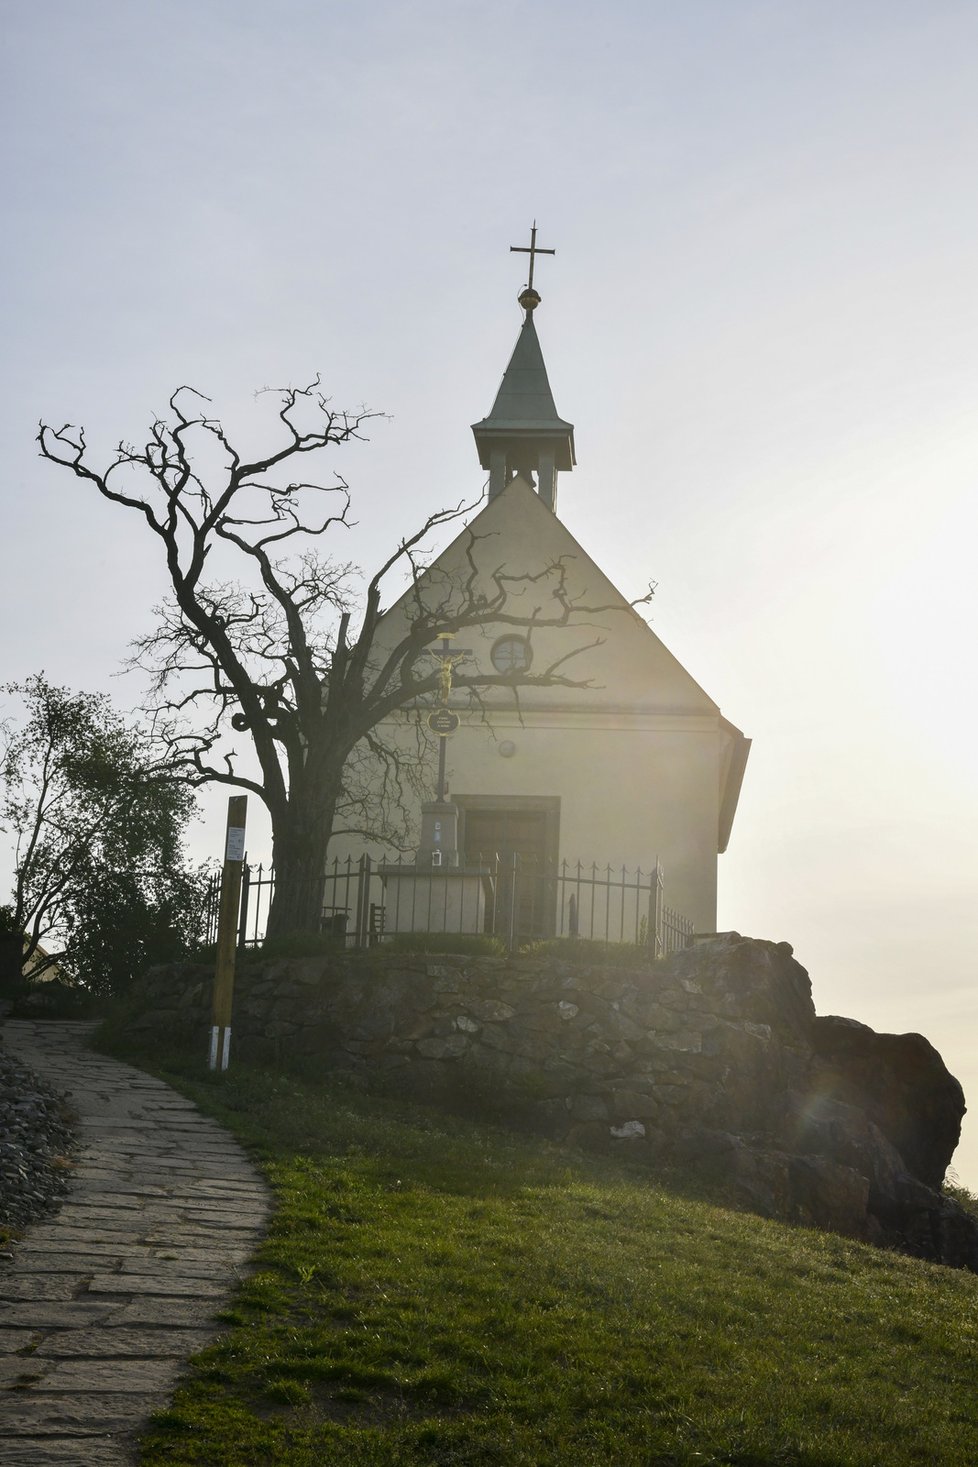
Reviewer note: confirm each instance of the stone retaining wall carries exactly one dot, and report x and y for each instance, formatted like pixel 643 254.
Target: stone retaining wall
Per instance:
pixel 713 1055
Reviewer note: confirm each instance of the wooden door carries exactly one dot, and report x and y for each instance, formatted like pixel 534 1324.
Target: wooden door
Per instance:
pixel 519 842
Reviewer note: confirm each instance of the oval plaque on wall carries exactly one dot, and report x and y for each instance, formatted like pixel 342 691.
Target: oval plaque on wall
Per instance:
pixel 443 722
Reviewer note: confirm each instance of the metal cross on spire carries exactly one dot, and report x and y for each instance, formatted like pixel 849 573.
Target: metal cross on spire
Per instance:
pixel 532 249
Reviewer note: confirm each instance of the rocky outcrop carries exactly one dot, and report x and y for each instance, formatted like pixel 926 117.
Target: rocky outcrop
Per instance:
pixel 713 1058
pixel 901 1083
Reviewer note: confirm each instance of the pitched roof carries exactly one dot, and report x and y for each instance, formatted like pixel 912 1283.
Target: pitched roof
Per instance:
pixel 525 404
pixel 640 675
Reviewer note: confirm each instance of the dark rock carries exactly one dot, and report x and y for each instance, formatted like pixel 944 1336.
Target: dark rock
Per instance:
pixel 589 1108
pixel 764 982
pixel 819 1126
pixel 926 1224
pixel 630 1105
pixel 551 1115
pixel 902 1085
pixel 825 1193
pixel 449 1046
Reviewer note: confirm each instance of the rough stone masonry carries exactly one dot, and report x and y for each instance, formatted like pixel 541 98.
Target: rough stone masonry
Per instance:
pixel 713 1058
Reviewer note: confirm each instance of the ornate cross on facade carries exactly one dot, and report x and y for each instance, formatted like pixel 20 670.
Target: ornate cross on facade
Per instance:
pixel 532 249
pixel 447 656
pixel 443 722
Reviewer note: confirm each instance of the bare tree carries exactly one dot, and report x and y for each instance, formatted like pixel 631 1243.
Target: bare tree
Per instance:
pixel 291 657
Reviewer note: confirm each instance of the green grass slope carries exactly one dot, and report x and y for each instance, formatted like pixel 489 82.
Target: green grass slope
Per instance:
pixel 439 1291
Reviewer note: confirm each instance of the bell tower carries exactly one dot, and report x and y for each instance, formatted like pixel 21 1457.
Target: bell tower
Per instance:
pixel 523 433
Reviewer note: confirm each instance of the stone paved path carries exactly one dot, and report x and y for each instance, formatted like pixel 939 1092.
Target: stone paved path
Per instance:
pixel 103 1303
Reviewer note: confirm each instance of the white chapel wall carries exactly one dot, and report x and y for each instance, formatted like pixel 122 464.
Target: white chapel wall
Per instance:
pixel 634 757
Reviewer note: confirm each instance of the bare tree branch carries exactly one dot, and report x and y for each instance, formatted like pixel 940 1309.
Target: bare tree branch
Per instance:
pixel 290 658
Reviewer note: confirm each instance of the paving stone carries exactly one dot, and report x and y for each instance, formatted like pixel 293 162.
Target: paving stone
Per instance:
pixel 129 1131
pixel 12 1340
pixel 122 1184
pixel 55 1251
pixel 224 1272
pixel 216 1196
pixel 120 1343
pixel 106 1301
pixel 106 1220
pixel 50 1239
pixel 53 1260
pixel 65 1451
pixel 181 1234
pixel 21 1369
pixel 155 1309
pixel 174 1287
pixel 42 1314
pixel 95 1413
pixel 189 1169
pixel 55 1286
pixel 127 1197
pixel 217 1221
pixel 123 1376
pixel 217 1254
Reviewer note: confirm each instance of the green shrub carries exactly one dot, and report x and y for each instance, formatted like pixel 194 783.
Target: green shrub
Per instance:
pixel 465 944
pixel 294 945
pixel 589 952
pixel 53 999
pixel 289 945
pixel 961 1195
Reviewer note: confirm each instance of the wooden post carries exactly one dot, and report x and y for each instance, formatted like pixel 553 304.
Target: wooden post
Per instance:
pixel 227 932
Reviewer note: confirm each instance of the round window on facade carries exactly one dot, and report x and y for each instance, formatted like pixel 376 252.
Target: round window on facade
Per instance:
pixel 511 654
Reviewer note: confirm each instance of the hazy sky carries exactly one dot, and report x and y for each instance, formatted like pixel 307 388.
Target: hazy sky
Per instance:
pixel 762 319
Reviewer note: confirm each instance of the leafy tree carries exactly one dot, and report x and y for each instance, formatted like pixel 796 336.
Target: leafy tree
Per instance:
pixel 100 887
pixel 291 657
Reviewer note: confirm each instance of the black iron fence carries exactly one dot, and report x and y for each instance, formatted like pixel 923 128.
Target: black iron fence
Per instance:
pixel 365 901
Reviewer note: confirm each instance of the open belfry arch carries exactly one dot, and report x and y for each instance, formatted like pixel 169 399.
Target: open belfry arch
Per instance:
pixel 524 435
pixel 621 760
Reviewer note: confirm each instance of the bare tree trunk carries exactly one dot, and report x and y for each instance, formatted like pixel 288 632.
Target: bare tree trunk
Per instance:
pixel 299 843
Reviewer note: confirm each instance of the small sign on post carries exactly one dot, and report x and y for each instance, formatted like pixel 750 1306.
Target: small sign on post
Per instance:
pixel 443 722
pixel 227 932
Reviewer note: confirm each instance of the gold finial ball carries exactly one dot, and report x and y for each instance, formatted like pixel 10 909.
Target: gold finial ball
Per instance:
pixel 529 299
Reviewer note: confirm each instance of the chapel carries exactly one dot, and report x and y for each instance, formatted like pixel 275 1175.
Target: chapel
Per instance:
pixel 615 760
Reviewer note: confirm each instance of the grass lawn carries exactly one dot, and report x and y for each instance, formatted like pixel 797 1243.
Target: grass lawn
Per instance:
pixel 437 1291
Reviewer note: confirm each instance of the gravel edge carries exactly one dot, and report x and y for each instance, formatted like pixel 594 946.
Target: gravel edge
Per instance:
pixel 37 1138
